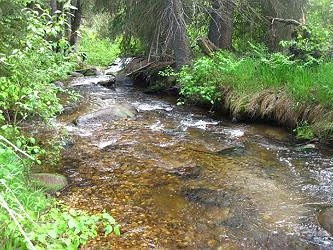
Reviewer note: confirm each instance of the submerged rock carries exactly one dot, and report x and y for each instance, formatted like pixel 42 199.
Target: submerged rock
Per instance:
pixel 211 197
pixel 306 148
pixel 232 151
pixel 325 220
pixel 187 172
pixel 233 209
pixel 107 82
pixel 51 182
pixel 113 112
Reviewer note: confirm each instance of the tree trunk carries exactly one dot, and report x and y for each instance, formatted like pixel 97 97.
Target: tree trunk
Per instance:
pixel 220 29
pixel 181 42
pixel 53 7
pixel 284 9
pixel 75 22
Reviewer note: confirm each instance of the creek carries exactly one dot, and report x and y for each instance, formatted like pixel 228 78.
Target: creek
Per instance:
pixel 178 177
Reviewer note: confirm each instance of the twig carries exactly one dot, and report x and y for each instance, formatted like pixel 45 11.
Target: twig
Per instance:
pixel 16 148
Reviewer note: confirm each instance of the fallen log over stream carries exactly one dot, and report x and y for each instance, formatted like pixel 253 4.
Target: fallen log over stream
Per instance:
pixel 143 69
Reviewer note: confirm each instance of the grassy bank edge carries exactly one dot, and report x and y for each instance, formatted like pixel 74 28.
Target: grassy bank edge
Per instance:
pixel 265 87
pixel 30 219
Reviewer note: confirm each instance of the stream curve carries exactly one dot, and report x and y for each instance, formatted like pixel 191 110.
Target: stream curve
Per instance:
pixel 176 177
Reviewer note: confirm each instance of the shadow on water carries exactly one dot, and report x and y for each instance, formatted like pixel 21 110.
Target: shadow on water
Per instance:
pixel 176 178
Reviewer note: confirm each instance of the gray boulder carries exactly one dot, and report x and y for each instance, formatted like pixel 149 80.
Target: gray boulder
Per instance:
pixel 59 85
pixel 93 71
pixel 114 112
pixel 50 182
pixel 107 82
pixel 325 220
pixel 76 74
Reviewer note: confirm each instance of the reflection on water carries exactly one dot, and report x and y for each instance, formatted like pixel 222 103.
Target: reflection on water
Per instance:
pixel 176 178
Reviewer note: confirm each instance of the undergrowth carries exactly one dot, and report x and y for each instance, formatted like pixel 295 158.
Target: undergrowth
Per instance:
pixel 99 51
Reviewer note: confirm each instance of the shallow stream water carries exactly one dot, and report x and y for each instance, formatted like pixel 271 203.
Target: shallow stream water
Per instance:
pixel 176 177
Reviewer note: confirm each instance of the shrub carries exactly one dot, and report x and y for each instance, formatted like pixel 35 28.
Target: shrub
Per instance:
pixel 25 85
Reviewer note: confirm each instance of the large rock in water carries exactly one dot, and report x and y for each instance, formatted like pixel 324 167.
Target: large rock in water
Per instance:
pixel 113 112
pixel 51 182
pixel 325 220
pixel 93 71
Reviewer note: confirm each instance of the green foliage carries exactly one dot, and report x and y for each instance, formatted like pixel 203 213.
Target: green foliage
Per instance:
pixel 27 144
pixel 202 84
pixel 48 225
pixel 304 131
pixel 27 70
pixel 33 54
pixel 100 51
pixel 320 13
pixel 310 45
pixel 256 72
pixel 25 85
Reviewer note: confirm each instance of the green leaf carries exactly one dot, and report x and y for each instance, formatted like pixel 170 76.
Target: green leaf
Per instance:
pixel 116 230
pixel 72 223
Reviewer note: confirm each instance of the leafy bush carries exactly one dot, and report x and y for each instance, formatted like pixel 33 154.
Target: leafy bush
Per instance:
pixel 32 62
pixel 25 88
pixel 46 224
pixel 203 84
pixel 29 63
pixel 311 44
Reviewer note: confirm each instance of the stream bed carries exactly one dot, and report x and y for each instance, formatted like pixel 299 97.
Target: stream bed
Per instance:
pixel 176 177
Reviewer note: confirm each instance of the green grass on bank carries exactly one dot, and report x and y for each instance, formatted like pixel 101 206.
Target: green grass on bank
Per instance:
pixel 99 51
pixel 45 223
pixel 249 78
pixel 247 75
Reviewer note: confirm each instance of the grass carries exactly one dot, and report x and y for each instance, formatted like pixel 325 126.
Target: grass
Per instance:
pixel 251 74
pixel 28 219
pixel 265 86
pixel 100 51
